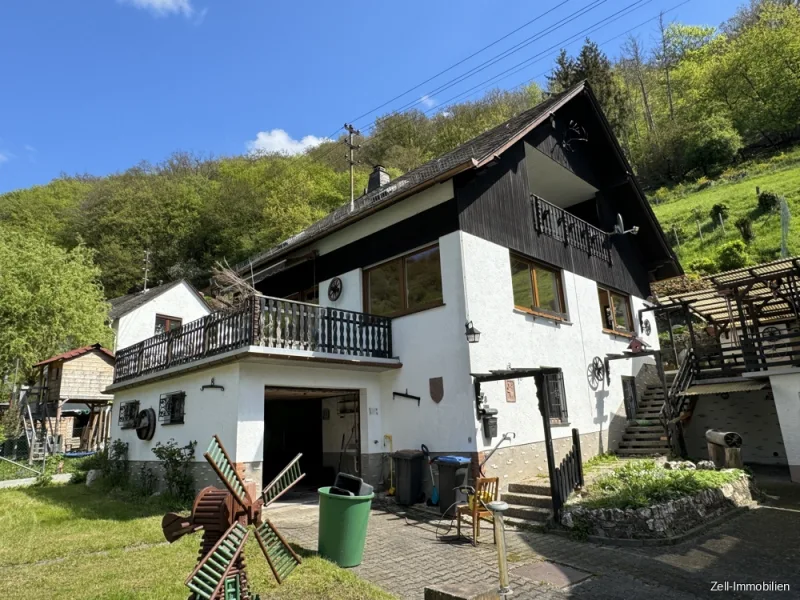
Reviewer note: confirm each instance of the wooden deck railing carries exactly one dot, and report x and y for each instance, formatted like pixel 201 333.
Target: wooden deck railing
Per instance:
pixel 570 230
pixel 261 321
pixel 751 354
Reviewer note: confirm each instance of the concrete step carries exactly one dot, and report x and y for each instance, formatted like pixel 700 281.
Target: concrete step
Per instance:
pixel 641 443
pixel 648 414
pixel 529 513
pixel 644 436
pixel 655 428
pixel 540 487
pixel 540 500
pixel 643 451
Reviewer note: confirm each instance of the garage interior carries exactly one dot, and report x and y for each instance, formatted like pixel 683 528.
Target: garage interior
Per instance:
pixel 322 424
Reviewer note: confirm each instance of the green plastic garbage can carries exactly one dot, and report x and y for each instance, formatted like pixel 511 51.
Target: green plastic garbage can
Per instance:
pixel 343 527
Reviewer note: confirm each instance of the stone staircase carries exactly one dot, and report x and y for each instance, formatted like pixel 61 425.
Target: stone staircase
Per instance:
pixel 529 503
pixel 645 436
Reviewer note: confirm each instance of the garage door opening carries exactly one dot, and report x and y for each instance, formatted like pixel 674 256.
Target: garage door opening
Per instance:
pixel 322 424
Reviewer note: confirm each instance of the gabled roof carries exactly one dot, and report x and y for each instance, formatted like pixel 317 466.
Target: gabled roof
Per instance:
pixel 470 155
pixel 69 355
pixel 130 302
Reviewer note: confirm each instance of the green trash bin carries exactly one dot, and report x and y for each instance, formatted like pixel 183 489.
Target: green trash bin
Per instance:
pixel 343 527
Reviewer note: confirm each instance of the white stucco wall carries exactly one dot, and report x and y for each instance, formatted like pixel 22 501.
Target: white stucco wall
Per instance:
pixel 208 412
pixel 511 338
pixel 180 301
pixel 786 391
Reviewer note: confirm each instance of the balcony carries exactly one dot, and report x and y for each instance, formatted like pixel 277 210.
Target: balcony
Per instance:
pixel 261 321
pixel 568 229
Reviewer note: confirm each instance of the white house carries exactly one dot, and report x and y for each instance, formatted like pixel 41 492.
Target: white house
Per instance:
pixel 358 341
pixel 136 317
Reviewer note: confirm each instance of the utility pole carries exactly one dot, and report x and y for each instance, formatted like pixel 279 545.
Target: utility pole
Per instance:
pixel 352 132
pixel 146 268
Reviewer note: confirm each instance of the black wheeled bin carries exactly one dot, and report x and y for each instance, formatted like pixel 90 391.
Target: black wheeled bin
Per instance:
pixel 453 473
pixel 408 474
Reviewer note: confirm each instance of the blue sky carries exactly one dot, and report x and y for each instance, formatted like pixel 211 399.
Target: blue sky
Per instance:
pixel 96 86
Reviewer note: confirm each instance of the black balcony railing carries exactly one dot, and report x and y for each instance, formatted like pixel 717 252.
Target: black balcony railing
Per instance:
pixel 260 321
pixel 570 230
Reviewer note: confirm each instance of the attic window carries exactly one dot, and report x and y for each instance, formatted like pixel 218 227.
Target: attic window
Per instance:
pixel 171 408
pixel 165 324
pixel 127 414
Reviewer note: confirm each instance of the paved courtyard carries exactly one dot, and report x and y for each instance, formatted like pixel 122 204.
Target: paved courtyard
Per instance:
pixel 406 553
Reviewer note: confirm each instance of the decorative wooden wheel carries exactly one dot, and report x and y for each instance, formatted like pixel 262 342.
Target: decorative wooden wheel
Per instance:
pixel 226 516
pixel 595 372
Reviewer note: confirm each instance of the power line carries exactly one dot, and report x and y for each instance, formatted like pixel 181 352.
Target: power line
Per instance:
pixel 454 65
pixel 550 54
pixel 496 58
pixel 637 4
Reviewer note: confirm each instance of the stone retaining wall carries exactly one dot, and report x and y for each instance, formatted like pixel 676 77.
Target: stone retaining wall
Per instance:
pixel 662 520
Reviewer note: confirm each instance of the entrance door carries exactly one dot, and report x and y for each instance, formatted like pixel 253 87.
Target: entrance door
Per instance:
pixel 629 394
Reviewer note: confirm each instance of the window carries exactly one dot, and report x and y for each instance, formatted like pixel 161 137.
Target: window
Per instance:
pixel 556 397
pixel 171 408
pixel 537 288
pixel 615 311
pixel 164 324
pixel 310 295
pixel 405 284
pixel 128 411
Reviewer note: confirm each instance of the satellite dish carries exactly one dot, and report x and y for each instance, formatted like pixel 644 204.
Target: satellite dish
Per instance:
pixel 619 227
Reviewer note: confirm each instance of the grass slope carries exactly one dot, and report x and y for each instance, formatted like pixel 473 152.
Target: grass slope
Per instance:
pixel 72 542
pixel 737 189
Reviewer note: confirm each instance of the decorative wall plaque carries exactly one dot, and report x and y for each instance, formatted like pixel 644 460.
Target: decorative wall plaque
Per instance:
pixel 511 391
pixel 437 388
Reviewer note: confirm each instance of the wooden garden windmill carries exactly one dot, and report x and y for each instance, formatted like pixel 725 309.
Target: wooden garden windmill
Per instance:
pixel 225 515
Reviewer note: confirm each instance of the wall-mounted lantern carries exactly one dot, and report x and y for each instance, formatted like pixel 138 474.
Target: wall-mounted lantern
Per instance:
pixel 473 335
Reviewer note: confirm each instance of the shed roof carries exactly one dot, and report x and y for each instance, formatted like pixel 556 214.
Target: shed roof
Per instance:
pixel 69 355
pixel 130 302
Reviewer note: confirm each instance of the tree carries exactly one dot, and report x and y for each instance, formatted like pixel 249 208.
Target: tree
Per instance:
pixel 50 300
pixel 593 65
pixel 711 143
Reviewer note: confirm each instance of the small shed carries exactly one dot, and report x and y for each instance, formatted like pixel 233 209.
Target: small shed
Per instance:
pixel 71 399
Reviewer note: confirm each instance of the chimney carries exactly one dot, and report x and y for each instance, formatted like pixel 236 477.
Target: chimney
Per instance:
pixel 377 178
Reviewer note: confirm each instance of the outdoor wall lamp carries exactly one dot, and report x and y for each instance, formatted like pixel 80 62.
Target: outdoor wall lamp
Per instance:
pixel 473 335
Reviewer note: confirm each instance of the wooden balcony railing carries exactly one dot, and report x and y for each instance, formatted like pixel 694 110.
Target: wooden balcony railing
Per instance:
pixel 751 354
pixel 261 321
pixel 570 230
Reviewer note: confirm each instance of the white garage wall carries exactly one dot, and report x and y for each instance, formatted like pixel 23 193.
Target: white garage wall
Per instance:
pixel 208 412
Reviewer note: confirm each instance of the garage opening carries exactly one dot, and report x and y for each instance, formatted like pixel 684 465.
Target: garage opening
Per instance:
pixel 322 424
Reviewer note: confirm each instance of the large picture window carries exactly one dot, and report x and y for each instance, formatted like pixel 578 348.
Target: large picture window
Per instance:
pixel 403 285
pixel 537 288
pixel 615 311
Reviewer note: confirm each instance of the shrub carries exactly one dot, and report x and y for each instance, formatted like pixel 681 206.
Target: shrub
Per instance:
pixel 745 227
pixel 115 465
pixel 703 183
pixel 176 461
pixel 642 483
pixel 711 143
pixel 146 481
pixel 703 266
pixel 718 209
pixel 768 201
pixel 732 255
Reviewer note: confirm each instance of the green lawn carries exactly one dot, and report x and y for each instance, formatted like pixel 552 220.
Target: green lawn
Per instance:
pixel 65 542
pixel 737 189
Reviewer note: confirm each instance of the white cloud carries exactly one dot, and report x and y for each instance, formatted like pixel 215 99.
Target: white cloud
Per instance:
pixel 164 8
pixel 427 101
pixel 281 142
pixel 4 157
pixel 29 148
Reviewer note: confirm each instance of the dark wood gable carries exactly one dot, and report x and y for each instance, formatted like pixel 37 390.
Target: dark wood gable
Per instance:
pixel 496 204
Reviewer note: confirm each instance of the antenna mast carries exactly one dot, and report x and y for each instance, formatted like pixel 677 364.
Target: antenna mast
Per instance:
pixel 351 131
pixel 146 267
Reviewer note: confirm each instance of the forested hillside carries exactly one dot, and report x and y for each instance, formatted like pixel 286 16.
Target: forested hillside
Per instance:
pixel 689 111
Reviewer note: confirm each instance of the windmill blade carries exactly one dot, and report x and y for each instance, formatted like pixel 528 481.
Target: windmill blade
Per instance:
pixel 280 556
pixel 284 481
pixel 219 460
pixel 211 572
pixel 175 526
